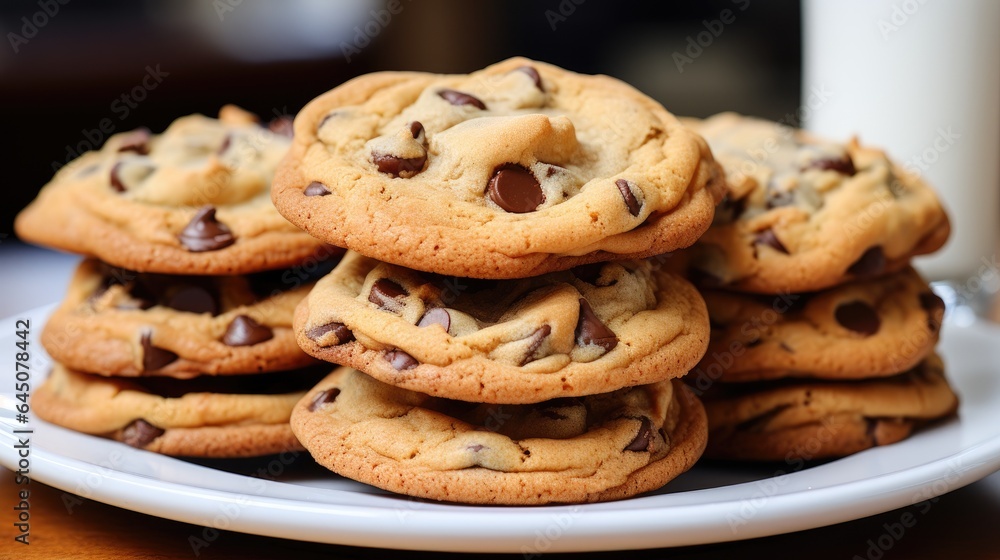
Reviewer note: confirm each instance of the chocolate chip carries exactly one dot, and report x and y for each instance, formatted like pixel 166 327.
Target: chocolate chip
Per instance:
pixel 589 273
pixel 396 166
pixel 626 188
pixel 316 189
pixel 436 316
pixel 205 233
pixel 871 263
pixel 934 306
pixel 533 74
pixel 767 237
pixel 416 129
pixel 515 189
pixel 401 360
pixel 385 292
pixel 140 433
pixel 729 209
pixel 226 143
pixel 244 331
pixel 323 397
pixel 476 447
pixel 339 330
pixel 459 98
pixel 282 126
pixel 193 299
pixel 537 338
pixel 859 317
pixel 136 141
pixel 844 165
pixel 116 180
pixel 590 329
pixel 154 358
pixel 643 438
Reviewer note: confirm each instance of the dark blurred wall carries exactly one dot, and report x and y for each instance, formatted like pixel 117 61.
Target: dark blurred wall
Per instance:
pixel 71 74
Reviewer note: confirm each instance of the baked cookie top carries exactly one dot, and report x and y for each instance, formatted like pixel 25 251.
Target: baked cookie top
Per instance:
pixel 774 421
pixel 206 417
pixel 512 171
pixel 866 328
pixel 597 448
pixel 119 322
pixel 590 330
pixel 192 200
pixel 804 213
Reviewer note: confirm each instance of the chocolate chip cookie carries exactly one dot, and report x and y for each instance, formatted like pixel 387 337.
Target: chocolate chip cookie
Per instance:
pixel 203 417
pixel 867 328
pixel 803 213
pixel 512 171
pixel 600 447
pixel 806 420
pixel 119 322
pixel 193 200
pixel 590 330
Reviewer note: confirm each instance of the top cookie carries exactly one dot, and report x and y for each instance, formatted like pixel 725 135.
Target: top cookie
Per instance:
pixel 508 172
pixel 803 214
pixel 193 200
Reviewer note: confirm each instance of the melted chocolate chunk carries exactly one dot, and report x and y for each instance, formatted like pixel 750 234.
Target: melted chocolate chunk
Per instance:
pixel 116 180
pixel 729 210
pixel 339 330
pixel 767 237
pixel 459 98
pixel 193 299
pixel 859 317
pixel 590 329
pixel 136 141
pixel 537 338
pixel 324 397
pixel 316 189
pixel 396 166
pixel 533 74
pixel 416 129
pixel 282 126
pixel 154 358
pixel 643 438
pixel 844 165
pixel 871 263
pixel 515 189
pixel 401 360
pixel 436 316
pixel 140 433
pixel 627 188
pixel 206 233
pixel 934 306
pixel 385 293
pixel 244 331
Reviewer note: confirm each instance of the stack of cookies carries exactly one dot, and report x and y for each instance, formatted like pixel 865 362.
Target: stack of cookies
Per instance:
pixel 175 334
pixel 500 358
pixel 823 337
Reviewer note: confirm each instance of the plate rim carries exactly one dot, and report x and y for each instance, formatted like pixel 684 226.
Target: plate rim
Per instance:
pixel 545 526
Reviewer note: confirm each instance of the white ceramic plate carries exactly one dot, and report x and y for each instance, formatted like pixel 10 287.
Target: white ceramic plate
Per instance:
pixel 289 496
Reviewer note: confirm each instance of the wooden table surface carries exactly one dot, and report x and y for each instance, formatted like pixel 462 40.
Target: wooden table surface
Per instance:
pixel 961 524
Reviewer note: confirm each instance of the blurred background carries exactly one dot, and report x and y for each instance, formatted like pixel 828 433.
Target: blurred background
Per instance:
pixel 70 69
